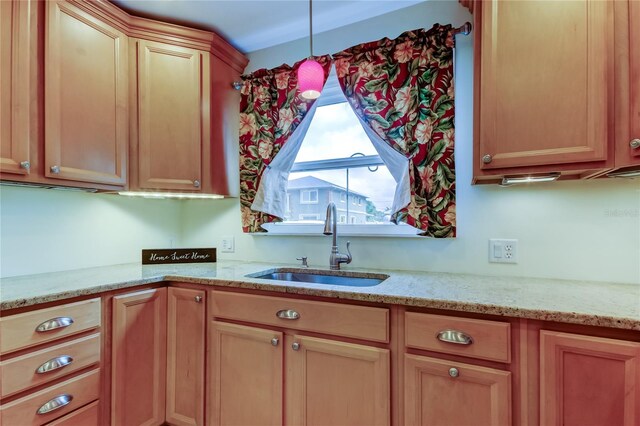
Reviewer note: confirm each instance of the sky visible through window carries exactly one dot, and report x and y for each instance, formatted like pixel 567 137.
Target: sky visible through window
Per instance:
pixel 335 132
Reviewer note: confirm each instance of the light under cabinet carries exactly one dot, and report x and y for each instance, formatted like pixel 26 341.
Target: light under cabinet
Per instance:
pixel 175 195
pixel 508 181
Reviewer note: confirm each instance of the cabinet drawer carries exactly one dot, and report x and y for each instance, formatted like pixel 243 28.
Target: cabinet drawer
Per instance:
pixel 490 340
pixel 40 367
pixel 35 327
pixel 78 391
pixel 88 415
pixel 360 322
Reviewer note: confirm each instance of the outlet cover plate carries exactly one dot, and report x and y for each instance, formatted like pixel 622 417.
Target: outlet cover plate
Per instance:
pixel 227 245
pixel 503 251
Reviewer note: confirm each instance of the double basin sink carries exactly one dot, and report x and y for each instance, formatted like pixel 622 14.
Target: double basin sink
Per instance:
pixel 351 279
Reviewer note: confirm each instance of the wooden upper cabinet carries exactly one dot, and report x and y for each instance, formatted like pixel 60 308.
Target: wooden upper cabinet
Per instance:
pixel 587 380
pixel 138 358
pixel 335 383
pixel 172 115
pixel 544 86
pixel 15 21
pixel 185 356
pixel 634 79
pixel 628 85
pixel 86 97
pixel 245 376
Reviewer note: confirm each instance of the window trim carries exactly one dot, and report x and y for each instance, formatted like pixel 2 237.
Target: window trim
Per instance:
pixel 309 191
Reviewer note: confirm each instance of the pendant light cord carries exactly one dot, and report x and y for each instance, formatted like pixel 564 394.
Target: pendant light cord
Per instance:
pixel 310 28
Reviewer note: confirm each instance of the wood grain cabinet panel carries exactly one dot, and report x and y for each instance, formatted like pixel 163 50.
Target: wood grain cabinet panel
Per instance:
pixel 32 409
pixel 89 415
pixel 44 325
pixel 139 359
pixel 185 356
pixel 634 79
pixel 336 383
pixel 245 375
pixel 36 368
pixel 172 116
pixel 587 380
pixel 467 396
pixel 543 97
pixel 15 20
pixel 86 97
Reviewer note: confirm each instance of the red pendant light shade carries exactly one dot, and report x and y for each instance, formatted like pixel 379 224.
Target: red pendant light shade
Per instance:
pixel 310 79
pixel 310 73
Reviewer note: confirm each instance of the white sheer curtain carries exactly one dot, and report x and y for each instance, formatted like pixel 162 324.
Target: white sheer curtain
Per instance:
pixel 272 192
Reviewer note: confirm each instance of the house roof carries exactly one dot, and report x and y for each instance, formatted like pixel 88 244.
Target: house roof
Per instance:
pixel 312 182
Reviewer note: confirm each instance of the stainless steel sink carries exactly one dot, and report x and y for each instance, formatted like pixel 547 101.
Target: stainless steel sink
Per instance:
pixel 321 277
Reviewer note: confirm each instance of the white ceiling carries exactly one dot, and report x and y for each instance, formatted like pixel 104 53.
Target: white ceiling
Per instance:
pixel 253 24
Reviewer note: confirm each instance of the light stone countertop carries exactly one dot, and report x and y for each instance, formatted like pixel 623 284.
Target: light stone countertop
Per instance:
pixel 580 302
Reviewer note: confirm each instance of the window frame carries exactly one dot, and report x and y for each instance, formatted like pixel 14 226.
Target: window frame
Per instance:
pixel 309 191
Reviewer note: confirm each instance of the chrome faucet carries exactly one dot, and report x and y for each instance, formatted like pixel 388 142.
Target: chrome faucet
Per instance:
pixel 331 228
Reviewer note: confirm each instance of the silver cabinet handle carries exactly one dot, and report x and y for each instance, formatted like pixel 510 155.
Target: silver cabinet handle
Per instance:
pixel 455 336
pixel 55 169
pixel 54 323
pixel 198 299
pixel 25 165
pixel 635 144
pixel 295 346
pixel 486 159
pixel 55 404
pixel 54 364
pixel 288 314
pixel 196 183
pixel 275 341
pixel 453 372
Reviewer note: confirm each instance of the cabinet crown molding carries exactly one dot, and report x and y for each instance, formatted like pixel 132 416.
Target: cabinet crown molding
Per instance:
pixel 148 29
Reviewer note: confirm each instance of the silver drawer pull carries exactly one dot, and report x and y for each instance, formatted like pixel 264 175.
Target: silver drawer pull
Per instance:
pixel 288 314
pixel 455 336
pixel 55 403
pixel 54 323
pixel 54 364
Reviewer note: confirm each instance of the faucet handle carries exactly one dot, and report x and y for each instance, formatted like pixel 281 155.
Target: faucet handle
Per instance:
pixel 349 257
pixel 303 259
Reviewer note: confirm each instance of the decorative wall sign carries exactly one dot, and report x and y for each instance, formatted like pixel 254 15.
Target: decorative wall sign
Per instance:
pixel 189 255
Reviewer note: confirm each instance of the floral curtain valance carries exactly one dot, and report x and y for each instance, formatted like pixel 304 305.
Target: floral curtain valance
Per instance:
pixel 270 111
pixel 403 90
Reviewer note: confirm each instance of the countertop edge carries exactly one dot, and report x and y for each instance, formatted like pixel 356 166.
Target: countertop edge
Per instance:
pixel 408 301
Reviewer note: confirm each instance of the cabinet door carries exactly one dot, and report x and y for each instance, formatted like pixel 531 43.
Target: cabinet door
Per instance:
pixel 336 383
pixel 86 101
pixel 139 358
pixel 171 101
pixel 439 392
pixel 14 86
pixel 245 375
pixel 544 94
pixel 587 380
pixel 634 81
pixel 185 356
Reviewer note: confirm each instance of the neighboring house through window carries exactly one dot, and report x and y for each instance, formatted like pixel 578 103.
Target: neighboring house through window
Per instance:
pixel 309 196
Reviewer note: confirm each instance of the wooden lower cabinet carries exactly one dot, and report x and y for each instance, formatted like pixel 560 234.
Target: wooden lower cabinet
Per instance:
pixel 447 393
pixel 245 375
pixel 185 356
pixel 586 380
pixel 335 383
pixel 139 358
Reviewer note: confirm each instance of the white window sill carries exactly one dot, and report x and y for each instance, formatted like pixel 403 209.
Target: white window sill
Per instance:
pixel 316 229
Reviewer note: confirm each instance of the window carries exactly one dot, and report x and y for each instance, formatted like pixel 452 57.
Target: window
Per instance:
pixel 338 162
pixel 309 196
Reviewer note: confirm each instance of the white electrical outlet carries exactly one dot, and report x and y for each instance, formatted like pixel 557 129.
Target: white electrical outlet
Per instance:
pixel 503 251
pixel 227 245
